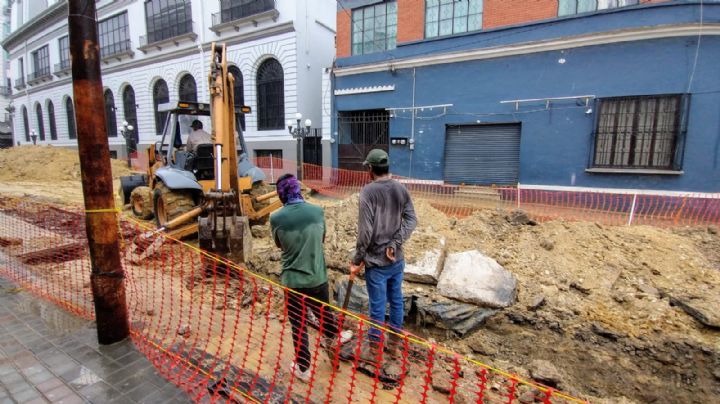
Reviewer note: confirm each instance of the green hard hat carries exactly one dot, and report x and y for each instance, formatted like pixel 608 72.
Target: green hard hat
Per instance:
pixel 377 158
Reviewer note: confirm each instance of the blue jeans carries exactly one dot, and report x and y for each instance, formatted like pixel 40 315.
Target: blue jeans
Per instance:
pixel 384 284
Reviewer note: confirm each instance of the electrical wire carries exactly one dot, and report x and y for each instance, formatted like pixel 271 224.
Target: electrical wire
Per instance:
pixel 697 49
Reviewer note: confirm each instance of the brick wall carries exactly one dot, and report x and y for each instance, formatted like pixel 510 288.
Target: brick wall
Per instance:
pixel 411 20
pixel 343 35
pixel 497 13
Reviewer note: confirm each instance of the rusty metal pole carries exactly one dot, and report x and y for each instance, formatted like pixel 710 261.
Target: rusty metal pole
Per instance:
pixel 107 277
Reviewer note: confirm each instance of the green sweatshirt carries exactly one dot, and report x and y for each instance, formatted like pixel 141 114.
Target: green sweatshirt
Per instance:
pixel 299 230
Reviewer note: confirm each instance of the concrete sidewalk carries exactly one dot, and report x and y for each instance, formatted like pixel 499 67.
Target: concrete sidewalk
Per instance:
pixel 48 355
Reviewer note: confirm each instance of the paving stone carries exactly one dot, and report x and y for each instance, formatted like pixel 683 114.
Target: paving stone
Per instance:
pixel 70 399
pixel 38 400
pixel 142 391
pixel 6 369
pixel 26 395
pixel 58 393
pixel 41 376
pixel 49 385
pixel 100 392
pixel 17 387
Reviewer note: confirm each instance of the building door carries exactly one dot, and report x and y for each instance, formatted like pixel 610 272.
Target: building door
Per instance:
pixel 358 133
pixel 482 154
pixel 312 154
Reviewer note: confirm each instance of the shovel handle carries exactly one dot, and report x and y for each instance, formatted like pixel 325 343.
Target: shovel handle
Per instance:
pixel 346 301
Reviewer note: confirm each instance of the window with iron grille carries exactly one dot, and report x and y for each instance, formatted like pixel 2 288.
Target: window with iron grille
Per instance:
pixel 114 35
pixel 130 109
pixel 638 132
pixel 40 123
pixel 374 28
pixel 167 18
pixel 271 96
pixel 41 62
pixel 26 123
pixel 231 10
pixel 269 158
pixel 160 96
pixel 70 115
pixel 570 7
pixel 188 89
pixel 51 118
pixel 238 91
pixel 64 46
pixel 110 117
pixel 447 17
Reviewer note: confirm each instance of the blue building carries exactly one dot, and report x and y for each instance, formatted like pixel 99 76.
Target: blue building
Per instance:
pixel 622 98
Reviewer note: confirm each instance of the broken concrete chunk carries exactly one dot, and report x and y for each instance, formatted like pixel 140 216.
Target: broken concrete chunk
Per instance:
pixel 536 302
pixel 475 278
pixel 462 318
pixel 545 372
pixel 701 310
pixel 519 217
pixel 427 269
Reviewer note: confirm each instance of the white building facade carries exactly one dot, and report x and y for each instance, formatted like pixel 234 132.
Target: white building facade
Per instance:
pixel 157 51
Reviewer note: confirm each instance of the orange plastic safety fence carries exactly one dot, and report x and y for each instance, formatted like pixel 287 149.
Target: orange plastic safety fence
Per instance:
pixel 686 209
pixel 223 333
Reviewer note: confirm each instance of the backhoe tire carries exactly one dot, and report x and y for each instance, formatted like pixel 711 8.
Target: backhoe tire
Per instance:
pixel 141 203
pixel 170 204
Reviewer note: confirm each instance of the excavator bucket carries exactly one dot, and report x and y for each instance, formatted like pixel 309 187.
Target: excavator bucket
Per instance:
pixel 228 236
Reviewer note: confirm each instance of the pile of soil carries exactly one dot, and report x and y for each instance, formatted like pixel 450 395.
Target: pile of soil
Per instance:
pixel 46 163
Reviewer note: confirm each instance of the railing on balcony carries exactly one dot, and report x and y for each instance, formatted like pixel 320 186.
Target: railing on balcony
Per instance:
pixel 63 66
pixel 39 74
pixel 237 10
pixel 20 83
pixel 168 34
pixel 5 91
pixel 123 46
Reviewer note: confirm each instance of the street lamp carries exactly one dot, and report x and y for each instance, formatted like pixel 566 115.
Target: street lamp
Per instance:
pixel 126 132
pixel 33 136
pixel 299 133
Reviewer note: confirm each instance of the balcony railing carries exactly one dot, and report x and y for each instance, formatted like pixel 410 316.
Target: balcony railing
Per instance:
pixel 5 91
pixel 39 75
pixel 62 67
pixel 182 32
pixel 233 12
pixel 20 83
pixel 116 49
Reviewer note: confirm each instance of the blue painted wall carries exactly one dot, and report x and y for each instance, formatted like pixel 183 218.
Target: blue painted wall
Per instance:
pixel 556 144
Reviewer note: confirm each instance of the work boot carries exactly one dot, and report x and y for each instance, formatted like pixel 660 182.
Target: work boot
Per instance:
pixel 369 351
pixel 394 345
pixel 333 345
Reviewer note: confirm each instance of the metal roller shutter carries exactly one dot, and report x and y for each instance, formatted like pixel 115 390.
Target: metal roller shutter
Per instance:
pixel 482 154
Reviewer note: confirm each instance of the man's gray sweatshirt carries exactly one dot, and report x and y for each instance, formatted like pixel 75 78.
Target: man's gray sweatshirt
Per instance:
pixel 386 219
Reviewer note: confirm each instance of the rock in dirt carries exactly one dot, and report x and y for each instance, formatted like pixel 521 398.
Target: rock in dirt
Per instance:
pixel 475 278
pixel 606 333
pixel 440 381
pixel 184 330
pixel 427 269
pixel 519 218
pixel 536 302
pixel 545 372
pixel 480 346
pixel 716 374
pixel 461 318
pixel 701 310
pixel 547 244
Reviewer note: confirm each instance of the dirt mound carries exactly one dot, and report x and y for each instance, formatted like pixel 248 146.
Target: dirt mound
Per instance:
pixel 46 163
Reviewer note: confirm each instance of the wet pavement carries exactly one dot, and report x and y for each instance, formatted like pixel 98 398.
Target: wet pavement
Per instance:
pixel 50 356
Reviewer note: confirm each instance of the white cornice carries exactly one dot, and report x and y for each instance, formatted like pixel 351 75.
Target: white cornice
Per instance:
pixel 364 90
pixel 628 35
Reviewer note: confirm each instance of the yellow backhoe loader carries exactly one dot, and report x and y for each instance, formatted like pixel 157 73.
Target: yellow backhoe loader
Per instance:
pixel 212 189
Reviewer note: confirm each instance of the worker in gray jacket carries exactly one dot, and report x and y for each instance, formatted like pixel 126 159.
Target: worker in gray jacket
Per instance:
pixel 385 221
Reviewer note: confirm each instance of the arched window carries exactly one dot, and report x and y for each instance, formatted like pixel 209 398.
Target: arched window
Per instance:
pixel 238 91
pixel 131 110
pixel 70 111
pixel 26 124
pixel 51 118
pixel 160 96
pixel 110 117
pixel 40 123
pixel 188 89
pixel 271 96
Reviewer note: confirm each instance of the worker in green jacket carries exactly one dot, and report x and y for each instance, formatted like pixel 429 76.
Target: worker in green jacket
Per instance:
pixel 298 228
